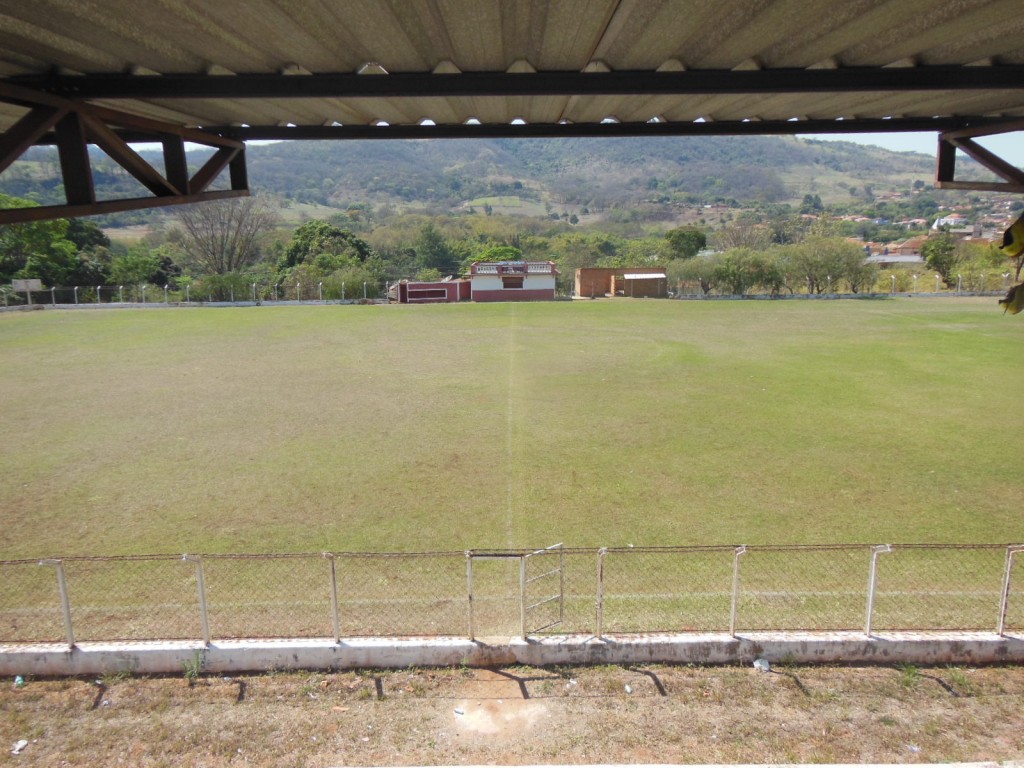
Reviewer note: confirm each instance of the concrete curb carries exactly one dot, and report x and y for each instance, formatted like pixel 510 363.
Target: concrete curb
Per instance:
pixel 230 656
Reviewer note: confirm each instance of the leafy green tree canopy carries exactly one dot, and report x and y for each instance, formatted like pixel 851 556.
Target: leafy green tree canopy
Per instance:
pixel 434 251
pixel 685 242
pixel 940 254
pixel 39 249
pixel 324 245
pixel 139 265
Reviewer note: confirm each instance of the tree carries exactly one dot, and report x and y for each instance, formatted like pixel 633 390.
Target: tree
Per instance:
pixel 135 267
pixel 940 254
pixel 685 242
pixel 433 250
pixel 820 263
pixel 700 269
pixel 740 269
pixel 324 245
pixel 222 237
pixel 85 235
pixel 500 253
pixel 748 235
pixel 36 249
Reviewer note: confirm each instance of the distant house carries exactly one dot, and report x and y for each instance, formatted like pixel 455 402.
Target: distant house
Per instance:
pixel 636 282
pixel 909 247
pixel 513 280
pixel 952 220
pixel 432 292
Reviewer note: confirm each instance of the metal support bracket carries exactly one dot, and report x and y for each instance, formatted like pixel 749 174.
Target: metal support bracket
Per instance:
pixel 964 140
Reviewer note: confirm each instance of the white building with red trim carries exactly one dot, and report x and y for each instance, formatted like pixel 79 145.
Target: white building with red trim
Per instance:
pixel 513 280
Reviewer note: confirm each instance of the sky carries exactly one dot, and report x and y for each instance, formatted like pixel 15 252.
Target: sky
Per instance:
pixel 1008 146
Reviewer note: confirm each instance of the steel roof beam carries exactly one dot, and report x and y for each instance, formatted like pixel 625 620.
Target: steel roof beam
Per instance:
pixel 596 130
pixel 690 82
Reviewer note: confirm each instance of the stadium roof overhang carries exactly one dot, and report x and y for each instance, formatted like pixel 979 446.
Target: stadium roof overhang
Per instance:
pixel 122 71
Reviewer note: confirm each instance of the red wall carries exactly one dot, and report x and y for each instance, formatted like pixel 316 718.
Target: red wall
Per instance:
pixel 437 292
pixel 518 294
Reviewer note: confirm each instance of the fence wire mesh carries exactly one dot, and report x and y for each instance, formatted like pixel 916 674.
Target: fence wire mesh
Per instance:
pixel 30 606
pixel 812 588
pixel 481 594
pixel 268 596
pixel 402 594
pixel 926 587
pixel 132 599
pixel 667 590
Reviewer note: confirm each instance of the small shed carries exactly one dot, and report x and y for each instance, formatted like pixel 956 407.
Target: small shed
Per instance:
pixel 641 285
pixel 513 280
pixel 638 282
pixel 433 292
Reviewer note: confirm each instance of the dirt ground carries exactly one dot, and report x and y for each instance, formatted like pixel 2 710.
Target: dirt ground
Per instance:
pixel 611 714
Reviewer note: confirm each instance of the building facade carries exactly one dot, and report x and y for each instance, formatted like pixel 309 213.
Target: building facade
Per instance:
pixel 513 280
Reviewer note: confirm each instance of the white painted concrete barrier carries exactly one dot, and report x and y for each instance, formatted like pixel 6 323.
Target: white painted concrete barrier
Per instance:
pixel 968 648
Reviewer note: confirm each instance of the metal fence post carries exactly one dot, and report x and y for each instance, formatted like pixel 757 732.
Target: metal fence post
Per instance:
pixel 740 551
pixel 600 591
pixel 561 584
pixel 469 591
pixel 522 596
pixel 1004 603
pixel 65 602
pixel 334 597
pixel 201 582
pixel 875 552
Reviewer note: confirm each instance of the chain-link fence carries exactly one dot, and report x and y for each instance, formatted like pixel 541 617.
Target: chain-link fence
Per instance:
pixel 210 290
pixel 517 592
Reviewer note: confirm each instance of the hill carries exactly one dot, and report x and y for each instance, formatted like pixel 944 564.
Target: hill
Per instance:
pixel 597 173
pixel 533 174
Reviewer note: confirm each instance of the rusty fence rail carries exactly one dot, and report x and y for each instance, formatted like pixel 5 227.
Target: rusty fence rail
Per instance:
pixel 556 590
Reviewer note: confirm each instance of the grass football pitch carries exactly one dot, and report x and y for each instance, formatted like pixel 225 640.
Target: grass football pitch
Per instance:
pixel 446 427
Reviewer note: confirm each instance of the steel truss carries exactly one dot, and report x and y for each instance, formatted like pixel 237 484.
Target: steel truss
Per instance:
pixel 72 125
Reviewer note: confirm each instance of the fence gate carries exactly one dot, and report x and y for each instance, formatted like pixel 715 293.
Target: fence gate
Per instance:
pixel 542 589
pixel 515 593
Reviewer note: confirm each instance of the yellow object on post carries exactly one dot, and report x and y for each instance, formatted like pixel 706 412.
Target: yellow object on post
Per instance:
pixel 1013 239
pixel 1014 301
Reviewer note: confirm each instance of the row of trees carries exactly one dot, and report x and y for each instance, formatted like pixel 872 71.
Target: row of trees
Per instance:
pixel 223 248
pixel 815 265
pixel 828 264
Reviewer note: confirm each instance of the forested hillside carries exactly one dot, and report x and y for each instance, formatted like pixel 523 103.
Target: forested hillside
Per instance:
pixel 597 173
pixel 594 173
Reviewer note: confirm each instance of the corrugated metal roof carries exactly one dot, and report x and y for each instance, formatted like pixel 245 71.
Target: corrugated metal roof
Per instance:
pixel 645 276
pixel 307 38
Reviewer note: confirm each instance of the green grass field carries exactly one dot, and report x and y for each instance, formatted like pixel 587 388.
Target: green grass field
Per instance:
pixel 377 428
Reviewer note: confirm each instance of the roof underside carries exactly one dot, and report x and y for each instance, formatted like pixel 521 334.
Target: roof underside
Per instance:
pixel 717 62
pixel 112 72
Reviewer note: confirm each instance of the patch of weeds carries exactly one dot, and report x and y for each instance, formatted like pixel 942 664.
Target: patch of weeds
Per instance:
pixel 194 667
pixel 365 692
pixel 888 721
pixel 910 676
pixel 311 687
pixel 110 678
pixel 959 678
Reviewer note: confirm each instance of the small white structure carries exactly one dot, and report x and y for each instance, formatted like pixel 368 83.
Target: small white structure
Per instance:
pixel 513 280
